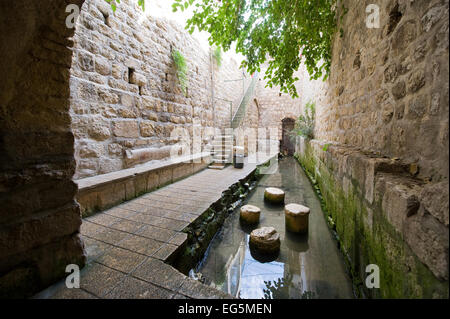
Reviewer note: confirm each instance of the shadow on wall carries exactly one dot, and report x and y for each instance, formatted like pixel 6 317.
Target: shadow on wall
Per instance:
pixel 288 140
pixel 39 218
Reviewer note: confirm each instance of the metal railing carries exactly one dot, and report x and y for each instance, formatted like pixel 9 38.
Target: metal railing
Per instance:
pixel 239 115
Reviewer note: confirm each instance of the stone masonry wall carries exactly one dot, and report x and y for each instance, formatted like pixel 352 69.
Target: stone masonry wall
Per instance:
pixel 275 106
pixel 388 88
pixel 124 91
pixel 39 218
pixel 380 157
pixel 383 215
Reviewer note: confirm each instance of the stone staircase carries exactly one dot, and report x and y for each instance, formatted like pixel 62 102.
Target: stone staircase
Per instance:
pixel 222 150
pixel 223 143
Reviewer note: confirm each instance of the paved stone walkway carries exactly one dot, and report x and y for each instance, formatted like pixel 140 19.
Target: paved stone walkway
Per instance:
pixel 128 246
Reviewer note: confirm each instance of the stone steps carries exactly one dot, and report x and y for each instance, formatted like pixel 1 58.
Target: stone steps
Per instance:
pixel 222 151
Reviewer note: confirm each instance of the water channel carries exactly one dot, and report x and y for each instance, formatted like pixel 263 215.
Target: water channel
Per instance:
pixel 308 266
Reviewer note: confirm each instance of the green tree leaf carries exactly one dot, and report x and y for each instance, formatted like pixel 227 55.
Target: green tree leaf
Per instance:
pixel 278 32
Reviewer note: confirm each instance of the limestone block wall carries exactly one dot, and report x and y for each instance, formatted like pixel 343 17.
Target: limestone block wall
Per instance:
pixel 251 119
pixel 383 215
pixel 230 83
pixel 275 106
pixel 388 88
pixel 384 175
pixel 124 91
pixel 39 218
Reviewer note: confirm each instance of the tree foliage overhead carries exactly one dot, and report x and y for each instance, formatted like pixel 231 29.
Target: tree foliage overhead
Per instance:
pixel 273 31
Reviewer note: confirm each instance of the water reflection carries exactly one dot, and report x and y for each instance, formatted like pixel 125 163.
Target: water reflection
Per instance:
pixel 308 266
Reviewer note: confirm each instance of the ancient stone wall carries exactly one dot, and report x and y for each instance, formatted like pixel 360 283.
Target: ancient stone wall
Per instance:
pixel 275 106
pixel 383 216
pixel 388 88
pixel 251 119
pixel 381 156
pixel 39 218
pixel 124 91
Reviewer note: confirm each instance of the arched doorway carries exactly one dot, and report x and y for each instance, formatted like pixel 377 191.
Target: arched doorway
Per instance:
pixel 287 141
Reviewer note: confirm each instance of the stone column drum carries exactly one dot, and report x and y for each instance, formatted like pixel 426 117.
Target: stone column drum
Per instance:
pixel 274 195
pixel 250 214
pixel 265 240
pixel 297 218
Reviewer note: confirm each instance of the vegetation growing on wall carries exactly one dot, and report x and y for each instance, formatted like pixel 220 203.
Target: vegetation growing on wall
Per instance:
pixel 114 4
pixel 304 126
pixel 363 242
pixel 217 55
pixel 181 67
pixel 279 32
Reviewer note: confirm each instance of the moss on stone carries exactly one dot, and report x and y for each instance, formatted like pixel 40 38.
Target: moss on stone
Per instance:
pixel 402 275
pixel 203 229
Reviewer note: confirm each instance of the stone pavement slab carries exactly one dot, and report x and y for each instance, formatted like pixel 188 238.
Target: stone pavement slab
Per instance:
pixel 128 246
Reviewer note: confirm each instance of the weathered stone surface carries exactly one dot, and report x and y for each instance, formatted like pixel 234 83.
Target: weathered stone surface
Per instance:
pixel 434 197
pixel 250 214
pixel 400 201
pixel 274 195
pixel 126 129
pixel 390 73
pixel 38 216
pixel 403 220
pixel 147 128
pixel 297 218
pixel 124 71
pixel 399 90
pixel 99 130
pixel 416 80
pixel 432 16
pixel 86 61
pixel 108 97
pixel 429 239
pixel 381 112
pixel 265 240
pixel 91 150
pixel 138 79
pixel 403 36
pixel 102 66
pixel 417 107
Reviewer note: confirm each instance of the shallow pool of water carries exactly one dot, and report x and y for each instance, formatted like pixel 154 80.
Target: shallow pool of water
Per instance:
pixel 308 266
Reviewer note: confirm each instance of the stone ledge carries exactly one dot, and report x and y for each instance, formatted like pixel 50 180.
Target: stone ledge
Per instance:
pixel 400 220
pixel 104 191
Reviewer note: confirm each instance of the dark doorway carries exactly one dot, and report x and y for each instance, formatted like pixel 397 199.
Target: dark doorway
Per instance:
pixel 287 142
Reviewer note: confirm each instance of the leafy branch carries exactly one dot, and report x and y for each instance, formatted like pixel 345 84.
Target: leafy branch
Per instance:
pixel 278 32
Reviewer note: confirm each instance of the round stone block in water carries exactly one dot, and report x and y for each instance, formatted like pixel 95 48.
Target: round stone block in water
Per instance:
pixel 274 195
pixel 297 217
pixel 250 214
pixel 265 240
